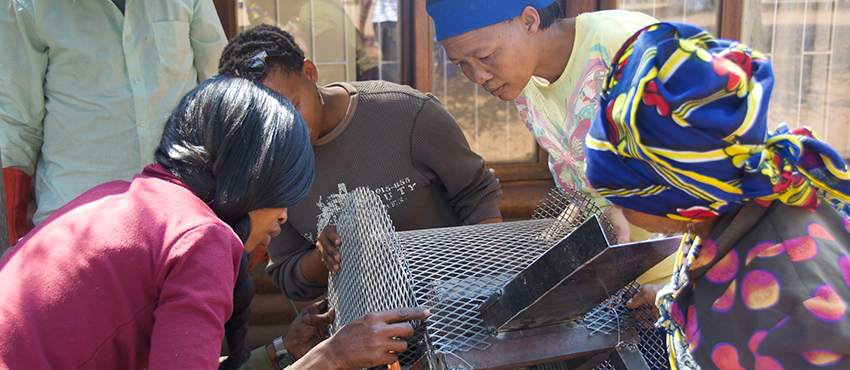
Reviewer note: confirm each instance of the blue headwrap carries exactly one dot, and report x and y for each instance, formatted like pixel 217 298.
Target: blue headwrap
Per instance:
pixel 682 131
pixel 454 17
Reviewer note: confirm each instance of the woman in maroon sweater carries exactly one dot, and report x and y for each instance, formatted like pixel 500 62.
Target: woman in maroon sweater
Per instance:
pixel 141 274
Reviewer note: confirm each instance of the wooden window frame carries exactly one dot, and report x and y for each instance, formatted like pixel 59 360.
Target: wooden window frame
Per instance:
pixel 729 16
pixel 524 184
pixel 227 15
pixel 417 72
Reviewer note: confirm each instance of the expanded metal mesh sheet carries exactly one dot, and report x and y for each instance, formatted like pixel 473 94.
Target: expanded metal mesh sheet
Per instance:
pixel 653 346
pixel 612 314
pixel 605 318
pixel 374 275
pixel 571 208
pixel 449 270
pixel 653 341
pixel 455 269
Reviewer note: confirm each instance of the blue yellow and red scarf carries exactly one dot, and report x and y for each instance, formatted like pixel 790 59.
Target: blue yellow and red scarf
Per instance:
pixel 682 131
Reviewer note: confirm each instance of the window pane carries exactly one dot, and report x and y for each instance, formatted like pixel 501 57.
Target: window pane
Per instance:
pixel 492 126
pixel 347 39
pixel 700 13
pixel 810 53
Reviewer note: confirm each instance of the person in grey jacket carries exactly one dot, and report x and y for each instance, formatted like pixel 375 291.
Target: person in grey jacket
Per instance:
pixel 397 141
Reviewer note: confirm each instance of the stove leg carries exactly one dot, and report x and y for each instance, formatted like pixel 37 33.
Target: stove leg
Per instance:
pixel 627 356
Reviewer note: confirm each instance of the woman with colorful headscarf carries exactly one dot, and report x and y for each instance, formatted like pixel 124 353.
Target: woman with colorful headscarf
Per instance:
pixel 762 278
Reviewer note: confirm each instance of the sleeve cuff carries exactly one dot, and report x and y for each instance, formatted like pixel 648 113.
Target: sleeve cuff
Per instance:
pixel 299 276
pixel 483 211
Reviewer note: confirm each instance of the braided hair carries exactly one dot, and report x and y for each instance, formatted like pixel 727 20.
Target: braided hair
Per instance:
pixel 549 15
pixel 264 37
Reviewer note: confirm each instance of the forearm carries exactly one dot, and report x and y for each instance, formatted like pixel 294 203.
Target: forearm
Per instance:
pixel 320 357
pixel 313 269
pixel 286 252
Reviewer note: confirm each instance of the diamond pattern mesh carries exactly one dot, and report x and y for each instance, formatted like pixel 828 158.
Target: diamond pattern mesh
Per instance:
pixel 653 346
pixel 571 208
pixel 613 313
pixel 374 275
pixel 603 319
pixel 456 269
pixel 450 270
pixel 387 283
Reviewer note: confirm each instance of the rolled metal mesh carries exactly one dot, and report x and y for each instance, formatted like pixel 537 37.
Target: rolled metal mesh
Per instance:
pixel 374 274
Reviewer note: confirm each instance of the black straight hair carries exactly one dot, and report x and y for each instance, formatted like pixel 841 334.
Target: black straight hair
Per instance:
pixel 240 146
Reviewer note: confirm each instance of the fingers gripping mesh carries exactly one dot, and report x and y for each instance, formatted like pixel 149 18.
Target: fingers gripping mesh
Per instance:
pixel 449 270
pixel 373 274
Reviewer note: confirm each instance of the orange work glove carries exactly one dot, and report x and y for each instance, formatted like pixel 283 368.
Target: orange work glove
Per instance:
pixel 17 185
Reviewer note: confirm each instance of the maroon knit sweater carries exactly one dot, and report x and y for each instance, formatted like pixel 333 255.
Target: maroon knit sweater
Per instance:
pixel 129 275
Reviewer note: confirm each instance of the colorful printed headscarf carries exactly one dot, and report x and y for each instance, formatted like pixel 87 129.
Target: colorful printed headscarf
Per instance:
pixel 682 131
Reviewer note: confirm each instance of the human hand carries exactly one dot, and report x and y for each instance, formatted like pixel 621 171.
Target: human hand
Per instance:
pixel 646 295
pixel 328 248
pixel 615 216
pixel 372 340
pixel 309 328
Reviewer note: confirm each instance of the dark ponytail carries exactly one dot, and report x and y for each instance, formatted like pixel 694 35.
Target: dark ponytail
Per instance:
pixel 236 326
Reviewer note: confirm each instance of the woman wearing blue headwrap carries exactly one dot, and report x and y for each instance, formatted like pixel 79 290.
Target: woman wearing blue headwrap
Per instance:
pixel 680 144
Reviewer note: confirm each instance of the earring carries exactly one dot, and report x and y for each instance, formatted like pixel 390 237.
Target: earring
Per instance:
pixel 321 98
